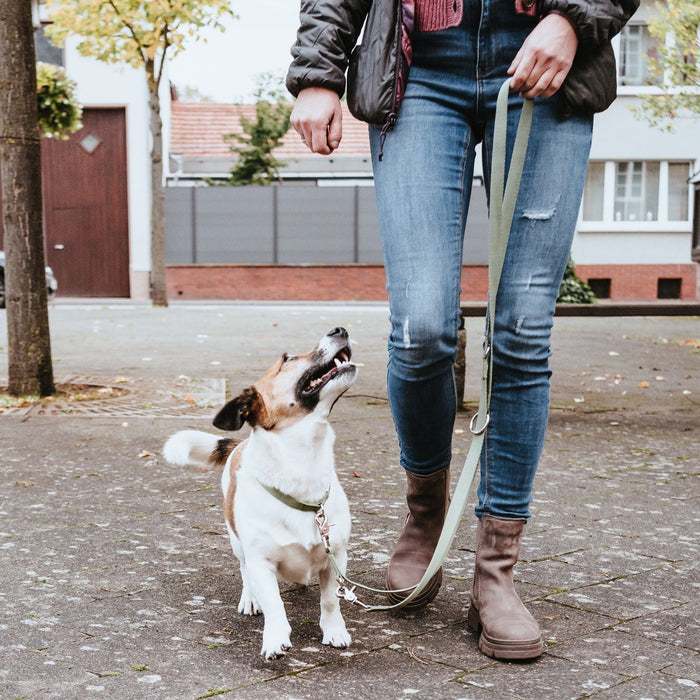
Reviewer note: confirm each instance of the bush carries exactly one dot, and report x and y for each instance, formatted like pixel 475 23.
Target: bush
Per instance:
pixel 573 289
pixel 59 111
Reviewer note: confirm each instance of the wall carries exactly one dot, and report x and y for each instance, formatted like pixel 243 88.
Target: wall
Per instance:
pixel 289 224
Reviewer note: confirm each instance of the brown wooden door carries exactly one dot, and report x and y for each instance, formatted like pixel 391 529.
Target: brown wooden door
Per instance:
pixel 85 207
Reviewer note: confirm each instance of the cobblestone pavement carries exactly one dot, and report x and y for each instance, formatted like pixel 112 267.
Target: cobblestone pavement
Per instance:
pixel 117 581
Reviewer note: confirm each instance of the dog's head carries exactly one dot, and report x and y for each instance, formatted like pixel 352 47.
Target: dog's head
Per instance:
pixel 294 387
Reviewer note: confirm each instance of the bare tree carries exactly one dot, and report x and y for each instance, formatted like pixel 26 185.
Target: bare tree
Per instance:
pixel 29 344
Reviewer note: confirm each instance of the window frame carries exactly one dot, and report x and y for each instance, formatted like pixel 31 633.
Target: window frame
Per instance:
pixel 662 223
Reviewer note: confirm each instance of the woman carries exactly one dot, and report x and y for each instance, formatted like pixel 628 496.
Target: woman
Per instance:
pixel 460 53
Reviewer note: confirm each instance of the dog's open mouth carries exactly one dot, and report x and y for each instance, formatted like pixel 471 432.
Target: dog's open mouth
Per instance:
pixel 319 377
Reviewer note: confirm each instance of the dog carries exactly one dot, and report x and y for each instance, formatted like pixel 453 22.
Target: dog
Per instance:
pixel 275 480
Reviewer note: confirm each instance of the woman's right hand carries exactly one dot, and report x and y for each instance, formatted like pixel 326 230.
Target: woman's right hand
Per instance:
pixel 318 119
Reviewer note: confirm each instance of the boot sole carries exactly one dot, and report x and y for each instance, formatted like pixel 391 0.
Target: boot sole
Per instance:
pixel 498 649
pixel 424 597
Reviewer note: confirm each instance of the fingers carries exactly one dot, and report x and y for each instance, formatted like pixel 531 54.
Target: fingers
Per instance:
pixel 317 118
pixel 545 58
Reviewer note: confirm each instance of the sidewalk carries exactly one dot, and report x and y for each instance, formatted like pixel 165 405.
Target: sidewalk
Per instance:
pixel 117 580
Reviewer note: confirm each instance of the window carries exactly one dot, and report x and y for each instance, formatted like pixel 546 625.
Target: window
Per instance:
pixel 636 43
pixel 594 192
pixel 678 191
pixel 600 286
pixel 636 191
pixel 669 287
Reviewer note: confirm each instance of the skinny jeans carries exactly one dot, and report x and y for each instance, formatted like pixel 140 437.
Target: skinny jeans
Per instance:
pixel 423 185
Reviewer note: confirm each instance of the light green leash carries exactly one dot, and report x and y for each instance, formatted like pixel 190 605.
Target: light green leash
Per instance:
pixel 502 207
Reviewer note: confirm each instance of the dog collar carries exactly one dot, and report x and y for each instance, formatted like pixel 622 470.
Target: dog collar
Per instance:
pixel 293 502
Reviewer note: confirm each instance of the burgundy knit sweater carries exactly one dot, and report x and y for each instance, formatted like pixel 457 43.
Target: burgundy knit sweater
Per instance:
pixel 432 15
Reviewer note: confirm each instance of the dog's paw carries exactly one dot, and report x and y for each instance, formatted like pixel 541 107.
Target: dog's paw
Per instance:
pixel 338 637
pixel 248 605
pixel 275 649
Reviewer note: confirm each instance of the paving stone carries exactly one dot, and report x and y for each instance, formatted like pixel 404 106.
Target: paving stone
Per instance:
pixel 547 677
pixel 117 579
pixel 652 686
pixel 676 626
pixel 617 651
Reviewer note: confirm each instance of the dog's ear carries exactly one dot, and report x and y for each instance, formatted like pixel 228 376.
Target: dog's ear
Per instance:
pixel 244 408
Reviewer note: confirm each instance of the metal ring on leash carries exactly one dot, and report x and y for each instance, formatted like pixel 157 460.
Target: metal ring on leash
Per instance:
pixel 483 428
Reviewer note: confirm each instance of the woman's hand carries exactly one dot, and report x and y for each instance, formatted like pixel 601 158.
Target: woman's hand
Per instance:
pixel 545 58
pixel 318 119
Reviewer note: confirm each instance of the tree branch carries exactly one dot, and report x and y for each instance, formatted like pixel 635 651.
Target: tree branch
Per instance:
pixel 132 31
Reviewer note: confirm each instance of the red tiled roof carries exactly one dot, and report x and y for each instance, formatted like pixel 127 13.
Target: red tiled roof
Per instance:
pixel 198 130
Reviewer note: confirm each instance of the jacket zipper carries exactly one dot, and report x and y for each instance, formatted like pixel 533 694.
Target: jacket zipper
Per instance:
pixel 391 119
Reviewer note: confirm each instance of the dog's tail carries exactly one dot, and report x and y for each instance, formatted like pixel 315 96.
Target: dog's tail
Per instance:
pixel 196 447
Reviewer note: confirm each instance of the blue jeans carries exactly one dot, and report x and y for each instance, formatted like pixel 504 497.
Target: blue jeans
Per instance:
pixel 423 185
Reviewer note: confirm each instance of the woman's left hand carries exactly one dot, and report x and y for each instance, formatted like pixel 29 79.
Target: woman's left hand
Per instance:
pixel 545 58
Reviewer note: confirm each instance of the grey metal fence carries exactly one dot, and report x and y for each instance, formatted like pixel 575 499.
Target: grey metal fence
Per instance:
pixel 288 224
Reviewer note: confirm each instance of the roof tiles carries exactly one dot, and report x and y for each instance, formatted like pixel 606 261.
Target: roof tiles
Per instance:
pixel 198 130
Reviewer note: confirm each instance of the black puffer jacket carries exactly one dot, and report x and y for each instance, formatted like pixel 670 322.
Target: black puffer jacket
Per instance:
pixel 329 30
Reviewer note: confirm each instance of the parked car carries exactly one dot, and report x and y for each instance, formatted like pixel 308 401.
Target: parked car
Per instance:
pixel 51 283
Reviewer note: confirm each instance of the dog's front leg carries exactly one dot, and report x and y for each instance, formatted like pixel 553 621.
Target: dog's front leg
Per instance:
pixel 332 623
pixel 262 578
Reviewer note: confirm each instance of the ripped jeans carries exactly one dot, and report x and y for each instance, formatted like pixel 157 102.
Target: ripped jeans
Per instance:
pixel 423 185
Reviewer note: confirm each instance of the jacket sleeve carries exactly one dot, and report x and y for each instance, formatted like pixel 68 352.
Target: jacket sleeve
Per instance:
pixel 328 31
pixel 595 21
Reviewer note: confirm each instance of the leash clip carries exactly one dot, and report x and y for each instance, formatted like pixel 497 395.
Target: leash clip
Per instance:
pixel 324 528
pixel 348 594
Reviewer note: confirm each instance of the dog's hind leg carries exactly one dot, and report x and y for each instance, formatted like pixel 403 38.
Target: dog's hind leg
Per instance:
pixel 247 604
pixel 332 623
pixel 262 578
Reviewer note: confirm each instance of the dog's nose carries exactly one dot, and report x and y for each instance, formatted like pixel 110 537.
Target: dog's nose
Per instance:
pixel 339 331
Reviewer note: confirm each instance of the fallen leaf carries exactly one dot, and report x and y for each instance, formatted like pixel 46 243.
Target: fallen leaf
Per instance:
pixel 145 453
pixel 643 385
pixel 190 399
pixel 357 475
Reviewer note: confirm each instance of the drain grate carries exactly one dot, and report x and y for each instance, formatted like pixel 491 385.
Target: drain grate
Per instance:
pixel 185 398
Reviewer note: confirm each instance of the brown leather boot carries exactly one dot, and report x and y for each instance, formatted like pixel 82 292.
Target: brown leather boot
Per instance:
pixel 506 629
pixel 428 497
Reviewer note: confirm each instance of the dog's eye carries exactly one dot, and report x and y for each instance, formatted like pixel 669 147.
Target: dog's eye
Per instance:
pixel 288 358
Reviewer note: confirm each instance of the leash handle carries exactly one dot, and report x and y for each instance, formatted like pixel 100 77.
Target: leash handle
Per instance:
pixel 503 195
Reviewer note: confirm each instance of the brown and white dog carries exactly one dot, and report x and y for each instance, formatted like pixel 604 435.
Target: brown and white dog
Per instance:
pixel 287 459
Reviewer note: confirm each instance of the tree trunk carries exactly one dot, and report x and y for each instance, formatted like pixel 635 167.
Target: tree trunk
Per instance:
pixel 29 343
pixel 159 295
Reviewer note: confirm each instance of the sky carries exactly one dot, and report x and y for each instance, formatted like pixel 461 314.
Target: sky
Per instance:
pixel 225 67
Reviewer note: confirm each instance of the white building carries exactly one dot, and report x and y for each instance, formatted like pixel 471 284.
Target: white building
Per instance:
pixel 97 197
pixel 638 204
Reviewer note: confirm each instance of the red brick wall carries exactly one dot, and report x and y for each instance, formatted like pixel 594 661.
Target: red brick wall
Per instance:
pixel 639 282
pixel 296 282
pixel 367 282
